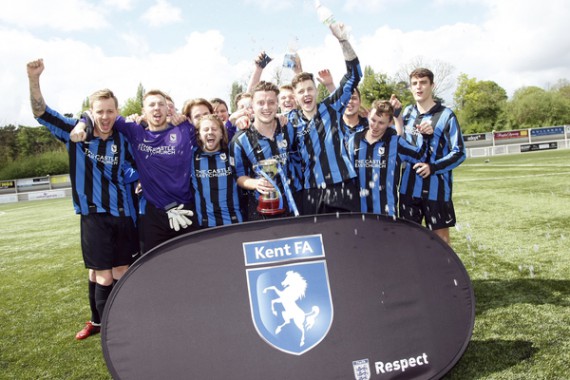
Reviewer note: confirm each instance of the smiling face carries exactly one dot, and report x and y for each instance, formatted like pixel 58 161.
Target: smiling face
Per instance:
pixel 286 100
pixel 353 105
pixel 379 120
pixel 221 110
pixel 210 134
pixel 197 112
pixel 306 96
pixel 104 113
pixel 264 107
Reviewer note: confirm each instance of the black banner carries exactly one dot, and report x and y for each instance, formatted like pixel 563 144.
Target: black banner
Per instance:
pixel 346 296
pixel 538 146
pixel 7 184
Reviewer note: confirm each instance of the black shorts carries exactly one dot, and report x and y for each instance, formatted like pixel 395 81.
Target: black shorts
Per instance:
pixel 154 227
pixel 437 214
pixel 340 197
pixel 108 241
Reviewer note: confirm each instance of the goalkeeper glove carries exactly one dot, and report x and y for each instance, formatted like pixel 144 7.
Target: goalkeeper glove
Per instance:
pixel 178 217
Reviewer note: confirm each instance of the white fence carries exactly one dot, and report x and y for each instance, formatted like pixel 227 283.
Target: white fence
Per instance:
pixel 512 142
pixel 32 189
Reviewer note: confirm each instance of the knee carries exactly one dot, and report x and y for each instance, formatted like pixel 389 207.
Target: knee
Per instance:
pixel 104 277
pixel 118 272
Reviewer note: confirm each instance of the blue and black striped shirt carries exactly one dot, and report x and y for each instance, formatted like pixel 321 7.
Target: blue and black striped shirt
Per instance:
pixel 446 151
pixel 99 169
pixel 321 140
pixel 378 166
pixel 250 147
pixel 215 189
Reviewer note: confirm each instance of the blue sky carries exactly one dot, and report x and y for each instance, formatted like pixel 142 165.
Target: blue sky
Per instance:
pixel 198 48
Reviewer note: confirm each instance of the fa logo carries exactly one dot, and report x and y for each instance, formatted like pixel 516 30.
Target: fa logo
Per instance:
pixel 361 369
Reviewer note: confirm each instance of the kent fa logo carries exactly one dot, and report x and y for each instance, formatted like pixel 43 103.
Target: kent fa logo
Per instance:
pixel 289 292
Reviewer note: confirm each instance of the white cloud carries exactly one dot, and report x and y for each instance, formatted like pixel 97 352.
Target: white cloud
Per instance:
pixel 135 43
pixel 123 5
pixel 519 45
pixel 75 69
pixel 64 15
pixel 367 5
pixel 162 13
pixel 272 5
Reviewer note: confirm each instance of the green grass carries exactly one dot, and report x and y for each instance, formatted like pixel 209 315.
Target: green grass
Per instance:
pixel 513 235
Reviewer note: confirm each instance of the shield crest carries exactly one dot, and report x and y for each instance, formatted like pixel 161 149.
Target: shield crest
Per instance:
pixel 291 305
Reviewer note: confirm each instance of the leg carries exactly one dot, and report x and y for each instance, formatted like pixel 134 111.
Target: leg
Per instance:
pixel 118 272
pixel 103 288
pixel 92 327
pixel 443 233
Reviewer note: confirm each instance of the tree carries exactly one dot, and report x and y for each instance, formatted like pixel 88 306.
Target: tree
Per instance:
pixel 379 86
pixel 133 106
pixel 442 71
pixel 322 92
pixel 533 107
pixel 33 141
pixel 479 104
pixel 236 89
pixel 8 144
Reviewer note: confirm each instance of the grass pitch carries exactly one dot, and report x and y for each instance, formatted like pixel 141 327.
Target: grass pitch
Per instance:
pixel 513 236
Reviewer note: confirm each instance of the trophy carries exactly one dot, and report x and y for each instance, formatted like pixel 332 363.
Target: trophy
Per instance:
pixel 271 203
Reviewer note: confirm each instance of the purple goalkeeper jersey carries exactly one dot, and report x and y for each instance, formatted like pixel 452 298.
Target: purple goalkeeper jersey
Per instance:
pixel 163 161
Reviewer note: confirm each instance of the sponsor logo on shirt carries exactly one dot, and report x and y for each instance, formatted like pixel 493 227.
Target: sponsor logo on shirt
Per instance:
pixel 213 173
pixel 159 150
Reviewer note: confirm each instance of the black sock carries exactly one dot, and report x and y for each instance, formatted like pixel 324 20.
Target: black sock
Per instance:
pixel 101 294
pixel 95 318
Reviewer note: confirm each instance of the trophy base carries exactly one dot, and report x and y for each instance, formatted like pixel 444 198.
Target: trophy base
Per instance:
pixel 269 207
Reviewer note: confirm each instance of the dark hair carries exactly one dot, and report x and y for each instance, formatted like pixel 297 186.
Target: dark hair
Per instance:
pixel 266 86
pixel 242 95
pixel 103 94
pixel 301 77
pixel 215 101
pixel 422 72
pixel 382 107
pixel 155 92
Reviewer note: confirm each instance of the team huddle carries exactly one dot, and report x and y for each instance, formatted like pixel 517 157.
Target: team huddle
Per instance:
pixel 140 181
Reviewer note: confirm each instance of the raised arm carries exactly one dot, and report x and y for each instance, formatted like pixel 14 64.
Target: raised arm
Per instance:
pixel 260 62
pixel 341 96
pixel 341 34
pixel 35 69
pixel 326 79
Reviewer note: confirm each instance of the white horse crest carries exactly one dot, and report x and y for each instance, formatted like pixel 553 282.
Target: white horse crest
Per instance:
pixel 294 287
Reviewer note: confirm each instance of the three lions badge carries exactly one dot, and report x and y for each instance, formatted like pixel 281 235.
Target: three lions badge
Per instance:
pixel 289 292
